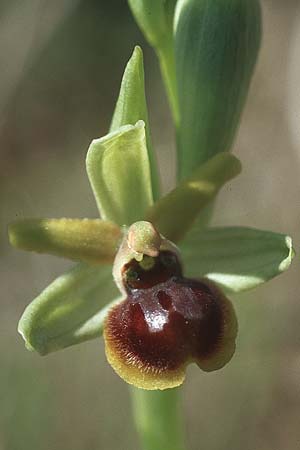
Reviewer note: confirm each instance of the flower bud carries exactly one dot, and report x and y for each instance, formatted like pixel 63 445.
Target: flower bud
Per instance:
pixel 216 47
pixel 166 321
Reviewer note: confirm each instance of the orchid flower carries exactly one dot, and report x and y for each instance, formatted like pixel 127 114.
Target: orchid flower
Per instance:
pixel 152 276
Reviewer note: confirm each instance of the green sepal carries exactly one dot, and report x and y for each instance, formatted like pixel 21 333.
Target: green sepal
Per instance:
pixel 119 172
pixel 174 214
pixel 87 240
pixel 155 19
pixel 236 258
pixel 132 106
pixel 216 47
pixel 70 310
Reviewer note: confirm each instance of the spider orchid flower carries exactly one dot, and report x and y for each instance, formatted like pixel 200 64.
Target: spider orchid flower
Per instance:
pixel 151 278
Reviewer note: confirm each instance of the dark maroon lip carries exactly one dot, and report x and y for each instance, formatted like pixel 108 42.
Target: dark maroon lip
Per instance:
pixel 168 320
pixel 168 324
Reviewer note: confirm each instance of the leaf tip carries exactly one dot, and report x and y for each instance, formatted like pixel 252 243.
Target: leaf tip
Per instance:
pixel 231 164
pixel 34 341
pixel 23 232
pixel 137 53
pixel 285 263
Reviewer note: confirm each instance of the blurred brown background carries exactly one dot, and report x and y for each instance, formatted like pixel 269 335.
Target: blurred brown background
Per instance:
pixel 61 64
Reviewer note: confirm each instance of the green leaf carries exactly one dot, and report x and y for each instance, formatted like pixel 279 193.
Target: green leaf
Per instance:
pixel 236 258
pixel 70 310
pixel 155 19
pixel 131 107
pixel 119 172
pixel 90 240
pixel 216 47
pixel 174 214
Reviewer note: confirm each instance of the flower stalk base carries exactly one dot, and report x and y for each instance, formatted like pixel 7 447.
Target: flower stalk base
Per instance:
pixel 158 419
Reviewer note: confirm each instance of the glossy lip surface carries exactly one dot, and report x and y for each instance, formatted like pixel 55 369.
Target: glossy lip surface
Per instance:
pixel 166 322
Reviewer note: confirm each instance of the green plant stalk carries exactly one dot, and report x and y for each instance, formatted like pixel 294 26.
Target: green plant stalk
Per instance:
pixel 158 419
pixel 165 54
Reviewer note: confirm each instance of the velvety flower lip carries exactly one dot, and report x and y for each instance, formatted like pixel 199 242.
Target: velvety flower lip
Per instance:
pixel 166 322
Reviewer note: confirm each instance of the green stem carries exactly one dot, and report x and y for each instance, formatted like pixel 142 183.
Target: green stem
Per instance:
pixel 158 420
pixel 165 54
